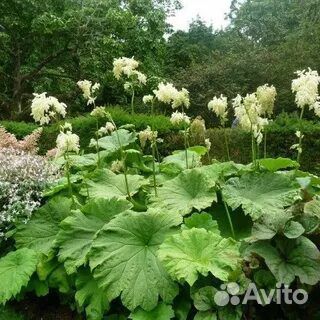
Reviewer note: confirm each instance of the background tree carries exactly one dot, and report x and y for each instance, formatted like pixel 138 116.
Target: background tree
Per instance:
pixel 49 46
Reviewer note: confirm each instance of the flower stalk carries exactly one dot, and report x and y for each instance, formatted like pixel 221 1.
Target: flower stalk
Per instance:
pixel 300 136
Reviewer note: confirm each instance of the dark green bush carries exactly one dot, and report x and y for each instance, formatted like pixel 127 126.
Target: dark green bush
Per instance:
pixel 85 127
pixel 281 136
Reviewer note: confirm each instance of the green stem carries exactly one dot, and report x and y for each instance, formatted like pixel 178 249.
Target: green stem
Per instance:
pixel 154 169
pixel 229 219
pixel 153 146
pixel 300 138
pixel 97 144
pixel 185 141
pixel 132 101
pixel 265 145
pixel 209 158
pixel 226 143
pixel 158 154
pixel 257 149
pixel 123 160
pixel 66 158
pixel 186 148
pixel 253 151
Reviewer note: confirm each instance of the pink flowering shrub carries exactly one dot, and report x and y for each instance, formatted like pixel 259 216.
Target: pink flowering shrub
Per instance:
pixel 28 144
pixel 23 177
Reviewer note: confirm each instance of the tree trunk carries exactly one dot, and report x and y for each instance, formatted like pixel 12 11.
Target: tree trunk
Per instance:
pixel 17 82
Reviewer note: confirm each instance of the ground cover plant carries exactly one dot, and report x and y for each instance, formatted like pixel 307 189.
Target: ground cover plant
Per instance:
pixel 126 233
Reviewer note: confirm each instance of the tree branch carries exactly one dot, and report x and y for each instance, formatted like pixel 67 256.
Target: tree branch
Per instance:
pixel 43 63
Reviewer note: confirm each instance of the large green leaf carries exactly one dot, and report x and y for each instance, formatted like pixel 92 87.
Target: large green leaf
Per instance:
pixel 117 139
pixel 203 298
pixel 75 239
pixel 267 226
pixel 49 269
pixel 124 260
pixel 90 296
pixel 16 269
pixel 261 194
pixel 204 301
pixel 177 162
pixel 291 258
pixel 79 230
pixel 277 164
pixel 39 233
pixel 201 220
pixel 104 183
pixel 190 189
pixel 160 312
pixel 198 251
pixel 105 209
pixel 310 218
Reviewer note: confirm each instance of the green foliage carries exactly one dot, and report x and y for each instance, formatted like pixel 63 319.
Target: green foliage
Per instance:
pixel 106 184
pixel 90 295
pixel 40 233
pixel 261 194
pixel 67 28
pixel 141 246
pixel 16 269
pixel 7 313
pixel 199 251
pixel 85 126
pixel 160 312
pixel 190 189
pixel 290 259
pixel 124 260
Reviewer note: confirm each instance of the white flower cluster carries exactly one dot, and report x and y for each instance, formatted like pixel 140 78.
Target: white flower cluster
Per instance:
pixel 127 66
pixel 219 106
pixel 117 166
pixel 107 129
pixel 67 141
pixel 178 118
pixel 306 89
pixel 148 99
pixel 248 113
pixel 44 108
pixel 266 96
pixel 297 146
pixel 23 177
pixel 207 143
pixel 168 94
pixel 88 90
pixel 99 112
pixel 147 135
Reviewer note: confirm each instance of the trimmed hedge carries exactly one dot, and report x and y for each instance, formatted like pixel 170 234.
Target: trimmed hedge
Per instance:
pixel 281 136
pixel 85 126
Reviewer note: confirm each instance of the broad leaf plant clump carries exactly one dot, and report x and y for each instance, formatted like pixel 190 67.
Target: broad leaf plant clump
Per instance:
pixel 132 235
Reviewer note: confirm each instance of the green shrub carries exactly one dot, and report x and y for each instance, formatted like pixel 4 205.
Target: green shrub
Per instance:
pixel 85 127
pixel 281 136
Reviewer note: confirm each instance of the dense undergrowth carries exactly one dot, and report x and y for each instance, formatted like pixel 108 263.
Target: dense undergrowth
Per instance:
pixel 124 231
pixel 281 136
pixel 107 239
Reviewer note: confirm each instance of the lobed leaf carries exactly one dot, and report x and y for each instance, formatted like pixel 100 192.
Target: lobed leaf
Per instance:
pixel 261 194
pixel 195 251
pixel 189 190
pixel 16 269
pixel 40 232
pixel 124 262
